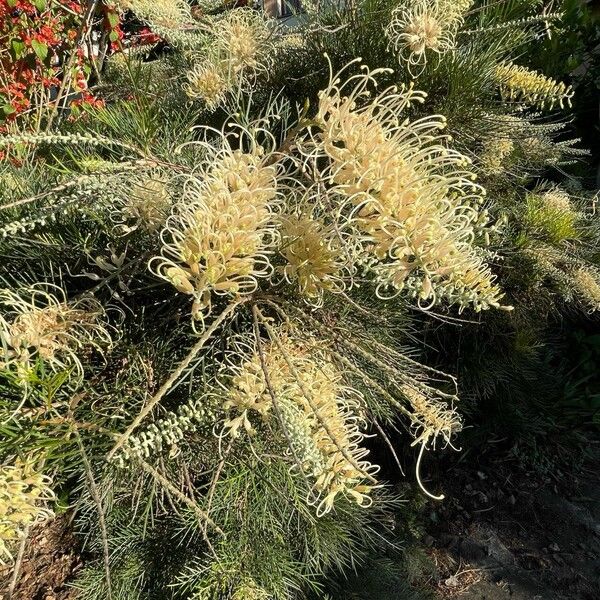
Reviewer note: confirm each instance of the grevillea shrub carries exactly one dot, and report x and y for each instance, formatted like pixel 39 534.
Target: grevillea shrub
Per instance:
pixel 215 287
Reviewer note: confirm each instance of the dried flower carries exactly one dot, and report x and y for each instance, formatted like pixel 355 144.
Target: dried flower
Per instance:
pixel 524 85
pixel 40 323
pixel 23 491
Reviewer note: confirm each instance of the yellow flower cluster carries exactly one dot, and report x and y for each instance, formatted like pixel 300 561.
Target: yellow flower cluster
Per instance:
pixel 411 200
pixel 240 48
pixel 424 25
pixel 314 258
pixel 219 236
pixel 319 415
pixel 39 323
pixel 524 85
pixel 208 82
pixel 495 152
pixel 22 493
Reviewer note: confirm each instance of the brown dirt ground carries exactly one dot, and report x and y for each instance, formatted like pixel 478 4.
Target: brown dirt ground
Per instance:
pixel 50 561
pixel 509 535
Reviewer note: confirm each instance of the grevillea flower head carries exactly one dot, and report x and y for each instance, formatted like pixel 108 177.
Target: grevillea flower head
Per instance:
pixel 524 85
pixel 168 14
pixel 314 257
pixel 208 81
pixel 431 419
pixel 222 231
pixel 240 49
pixel 410 199
pixel 39 323
pixel 496 151
pixel 587 284
pixel 145 205
pixel 320 416
pixel 243 37
pixel 424 26
pixel 23 492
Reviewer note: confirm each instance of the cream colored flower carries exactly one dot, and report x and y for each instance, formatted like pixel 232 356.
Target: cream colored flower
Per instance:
pixel 208 81
pixel 222 231
pixel 38 322
pixel 495 153
pixel 169 14
pixel 243 37
pixel 314 258
pixel 146 205
pixel 23 493
pixel 239 50
pixel 411 200
pixel 318 427
pixel 423 26
pixel 431 419
pixel 587 283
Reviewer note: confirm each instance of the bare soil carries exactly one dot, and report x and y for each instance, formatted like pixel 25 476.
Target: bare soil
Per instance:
pixel 51 559
pixel 511 535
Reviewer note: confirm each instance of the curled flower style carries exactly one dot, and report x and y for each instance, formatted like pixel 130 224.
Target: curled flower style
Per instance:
pixel 23 491
pixel 39 323
pixel 431 419
pixel 320 417
pixel 425 25
pixel 411 200
pixel 239 50
pixel 220 235
pixel 314 258
pixel 243 36
pixel 524 85
pixel 208 81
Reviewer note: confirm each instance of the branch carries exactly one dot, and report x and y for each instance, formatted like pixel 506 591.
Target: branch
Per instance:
pixel 167 385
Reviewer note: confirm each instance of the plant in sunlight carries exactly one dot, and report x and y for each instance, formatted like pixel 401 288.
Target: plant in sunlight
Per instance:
pixel 231 293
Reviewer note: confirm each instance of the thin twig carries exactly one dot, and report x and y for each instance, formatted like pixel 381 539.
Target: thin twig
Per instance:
pixel 386 439
pixel 203 516
pixel 174 376
pixel 98 502
pixel 18 564
pixel 216 476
